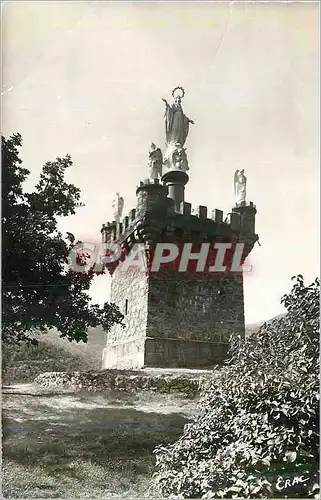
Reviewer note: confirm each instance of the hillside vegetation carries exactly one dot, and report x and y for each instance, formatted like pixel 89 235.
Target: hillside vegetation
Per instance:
pixel 22 363
pixel 259 421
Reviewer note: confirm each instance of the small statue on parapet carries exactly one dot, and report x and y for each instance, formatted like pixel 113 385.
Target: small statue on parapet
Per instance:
pixel 118 207
pixel 155 162
pixel 239 187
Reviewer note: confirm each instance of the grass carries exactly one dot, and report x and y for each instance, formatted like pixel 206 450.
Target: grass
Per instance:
pixel 84 445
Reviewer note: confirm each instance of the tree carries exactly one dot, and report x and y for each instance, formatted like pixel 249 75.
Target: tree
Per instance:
pixel 259 414
pixel 39 290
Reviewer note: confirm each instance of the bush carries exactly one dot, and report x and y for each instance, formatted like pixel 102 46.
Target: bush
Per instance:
pixel 259 414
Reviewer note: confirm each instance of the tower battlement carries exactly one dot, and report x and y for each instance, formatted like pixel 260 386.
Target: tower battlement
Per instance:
pixel 155 220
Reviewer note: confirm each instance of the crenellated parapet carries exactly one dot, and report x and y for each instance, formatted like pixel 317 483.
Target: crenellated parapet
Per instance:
pixel 113 231
pixel 155 220
pixel 246 213
pixel 151 199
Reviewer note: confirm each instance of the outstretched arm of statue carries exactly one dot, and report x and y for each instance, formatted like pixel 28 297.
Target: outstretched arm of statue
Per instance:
pixel 191 121
pixel 165 101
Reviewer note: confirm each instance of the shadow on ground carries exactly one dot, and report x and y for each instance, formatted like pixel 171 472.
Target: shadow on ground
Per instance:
pixel 67 445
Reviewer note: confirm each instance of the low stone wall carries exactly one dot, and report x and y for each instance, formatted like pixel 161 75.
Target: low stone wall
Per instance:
pixel 125 381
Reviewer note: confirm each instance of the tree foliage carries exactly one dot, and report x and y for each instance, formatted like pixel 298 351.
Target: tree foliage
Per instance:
pixel 39 291
pixel 259 414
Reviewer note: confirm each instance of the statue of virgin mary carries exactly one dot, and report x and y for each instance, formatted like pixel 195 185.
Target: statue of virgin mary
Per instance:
pixel 176 122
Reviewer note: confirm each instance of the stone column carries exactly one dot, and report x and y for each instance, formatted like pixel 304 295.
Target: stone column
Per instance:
pixel 175 180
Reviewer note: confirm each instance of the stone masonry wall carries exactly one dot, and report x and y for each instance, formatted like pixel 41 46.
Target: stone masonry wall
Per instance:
pixel 125 346
pixel 127 381
pixel 190 319
pixel 206 308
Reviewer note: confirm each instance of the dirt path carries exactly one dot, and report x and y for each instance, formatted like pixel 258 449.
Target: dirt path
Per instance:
pixel 84 445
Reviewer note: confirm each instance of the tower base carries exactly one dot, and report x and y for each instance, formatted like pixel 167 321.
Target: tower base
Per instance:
pixel 164 353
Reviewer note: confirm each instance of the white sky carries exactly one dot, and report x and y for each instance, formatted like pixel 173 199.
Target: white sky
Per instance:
pixel 87 78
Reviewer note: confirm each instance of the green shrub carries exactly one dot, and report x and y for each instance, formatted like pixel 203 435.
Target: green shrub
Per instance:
pixel 259 414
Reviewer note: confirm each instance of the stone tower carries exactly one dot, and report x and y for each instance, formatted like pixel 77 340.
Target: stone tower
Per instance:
pixel 174 318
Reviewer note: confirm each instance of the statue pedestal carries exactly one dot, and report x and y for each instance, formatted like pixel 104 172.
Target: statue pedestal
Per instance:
pixel 175 180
